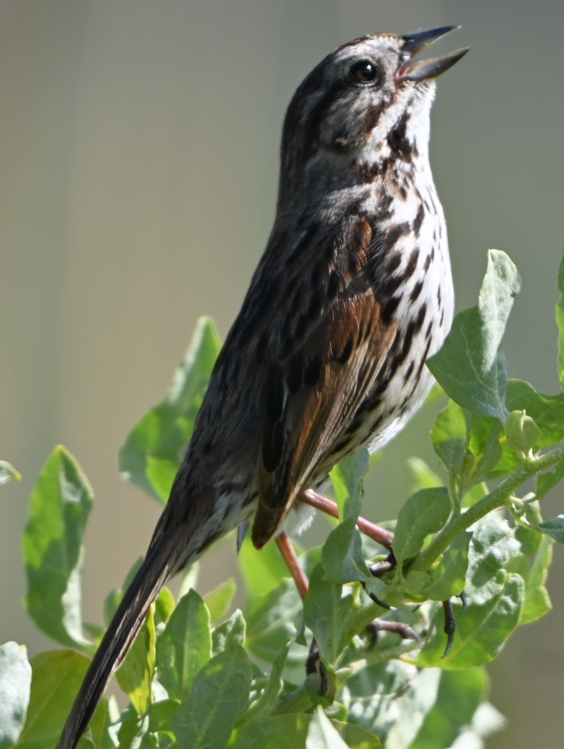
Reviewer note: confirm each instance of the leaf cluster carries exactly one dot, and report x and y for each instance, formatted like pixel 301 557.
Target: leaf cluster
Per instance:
pixel 203 675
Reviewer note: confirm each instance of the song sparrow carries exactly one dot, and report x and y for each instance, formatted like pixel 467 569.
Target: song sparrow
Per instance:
pixel 352 294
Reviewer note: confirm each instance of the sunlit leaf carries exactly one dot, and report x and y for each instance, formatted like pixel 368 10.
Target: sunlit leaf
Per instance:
pixel 554 528
pixel 548 480
pixel 135 675
pixel 53 552
pixel 56 679
pixel 218 696
pixel 521 432
pixel 425 512
pixel 152 452
pixel 322 734
pixel 291 731
pixel 229 634
pixel 15 685
pixel 414 706
pixel 325 611
pixel 347 482
pixel 219 600
pixel 546 410
pixel 449 577
pixel 8 472
pixel 471 365
pixel 373 695
pixel 270 694
pixel 460 694
pixel 424 477
pixel 262 570
pixel 270 620
pixel 184 646
pixel 450 437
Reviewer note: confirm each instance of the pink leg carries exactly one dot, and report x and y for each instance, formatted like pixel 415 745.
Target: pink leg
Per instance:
pixel 289 555
pixel 380 535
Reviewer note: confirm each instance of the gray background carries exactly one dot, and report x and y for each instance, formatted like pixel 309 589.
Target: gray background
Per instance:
pixel 138 169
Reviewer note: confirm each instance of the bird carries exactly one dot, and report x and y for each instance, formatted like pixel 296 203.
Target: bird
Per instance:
pixel 353 293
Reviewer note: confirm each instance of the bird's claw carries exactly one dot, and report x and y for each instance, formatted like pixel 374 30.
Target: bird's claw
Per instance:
pixel 450 621
pixel 399 628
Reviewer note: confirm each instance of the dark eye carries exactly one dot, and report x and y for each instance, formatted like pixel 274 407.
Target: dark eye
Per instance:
pixel 364 71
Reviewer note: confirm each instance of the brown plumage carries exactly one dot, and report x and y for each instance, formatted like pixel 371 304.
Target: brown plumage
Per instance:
pixel 352 294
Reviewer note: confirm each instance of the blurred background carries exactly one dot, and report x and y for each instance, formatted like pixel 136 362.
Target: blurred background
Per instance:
pixel 138 172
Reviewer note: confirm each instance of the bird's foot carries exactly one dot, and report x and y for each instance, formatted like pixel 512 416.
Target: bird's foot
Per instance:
pixel 450 621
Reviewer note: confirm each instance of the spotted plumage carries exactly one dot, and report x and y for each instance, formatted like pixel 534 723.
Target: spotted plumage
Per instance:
pixel 328 352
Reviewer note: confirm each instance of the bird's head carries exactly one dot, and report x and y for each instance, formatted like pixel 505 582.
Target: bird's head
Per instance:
pixel 365 102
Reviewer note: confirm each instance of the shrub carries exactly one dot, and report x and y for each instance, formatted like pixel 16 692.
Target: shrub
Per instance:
pixel 198 678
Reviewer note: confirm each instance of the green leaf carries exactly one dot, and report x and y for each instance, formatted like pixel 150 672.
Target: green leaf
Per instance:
pixel 322 734
pixel 343 559
pixel 537 601
pixel 471 365
pixel 8 472
pixel 325 612
pixel 15 685
pixel 356 737
pixel 135 675
pixel 57 676
pixel 373 695
pixel 262 570
pixel 270 621
pixel 219 600
pixel 347 477
pixel 291 731
pixel 164 606
pixel 546 410
pixel 184 646
pixel 485 446
pixel 100 725
pixel 494 610
pixel 161 713
pixel 494 598
pixel 460 695
pixel 132 731
pixel 53 552
pixel 548 480
pixel 423 476
pixel 229 634
pixel 424 512
pixel 450 437
pixel 276 732
pixel 521 432
pixel 554 528
pixel 530 540
pixel 218 696
pixel 414 706
pixel 449 577
pixel 342 555
pixel 151 455
pixel 560 323
pixel 269 696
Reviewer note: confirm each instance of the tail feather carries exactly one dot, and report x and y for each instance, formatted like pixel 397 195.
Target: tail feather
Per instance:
pixel 144 589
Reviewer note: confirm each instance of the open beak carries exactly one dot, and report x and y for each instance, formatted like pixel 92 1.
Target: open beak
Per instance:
pixel 426 69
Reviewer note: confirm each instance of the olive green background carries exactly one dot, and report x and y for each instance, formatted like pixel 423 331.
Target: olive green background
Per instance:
pixel 138 172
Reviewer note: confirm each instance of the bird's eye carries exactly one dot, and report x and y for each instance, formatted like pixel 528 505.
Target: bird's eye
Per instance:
pixel 364 71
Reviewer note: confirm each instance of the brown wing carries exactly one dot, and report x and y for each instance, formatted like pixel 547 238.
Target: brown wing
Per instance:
pixel 314 389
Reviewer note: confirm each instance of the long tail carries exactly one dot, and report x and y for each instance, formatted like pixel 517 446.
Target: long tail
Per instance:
pixel 146 586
